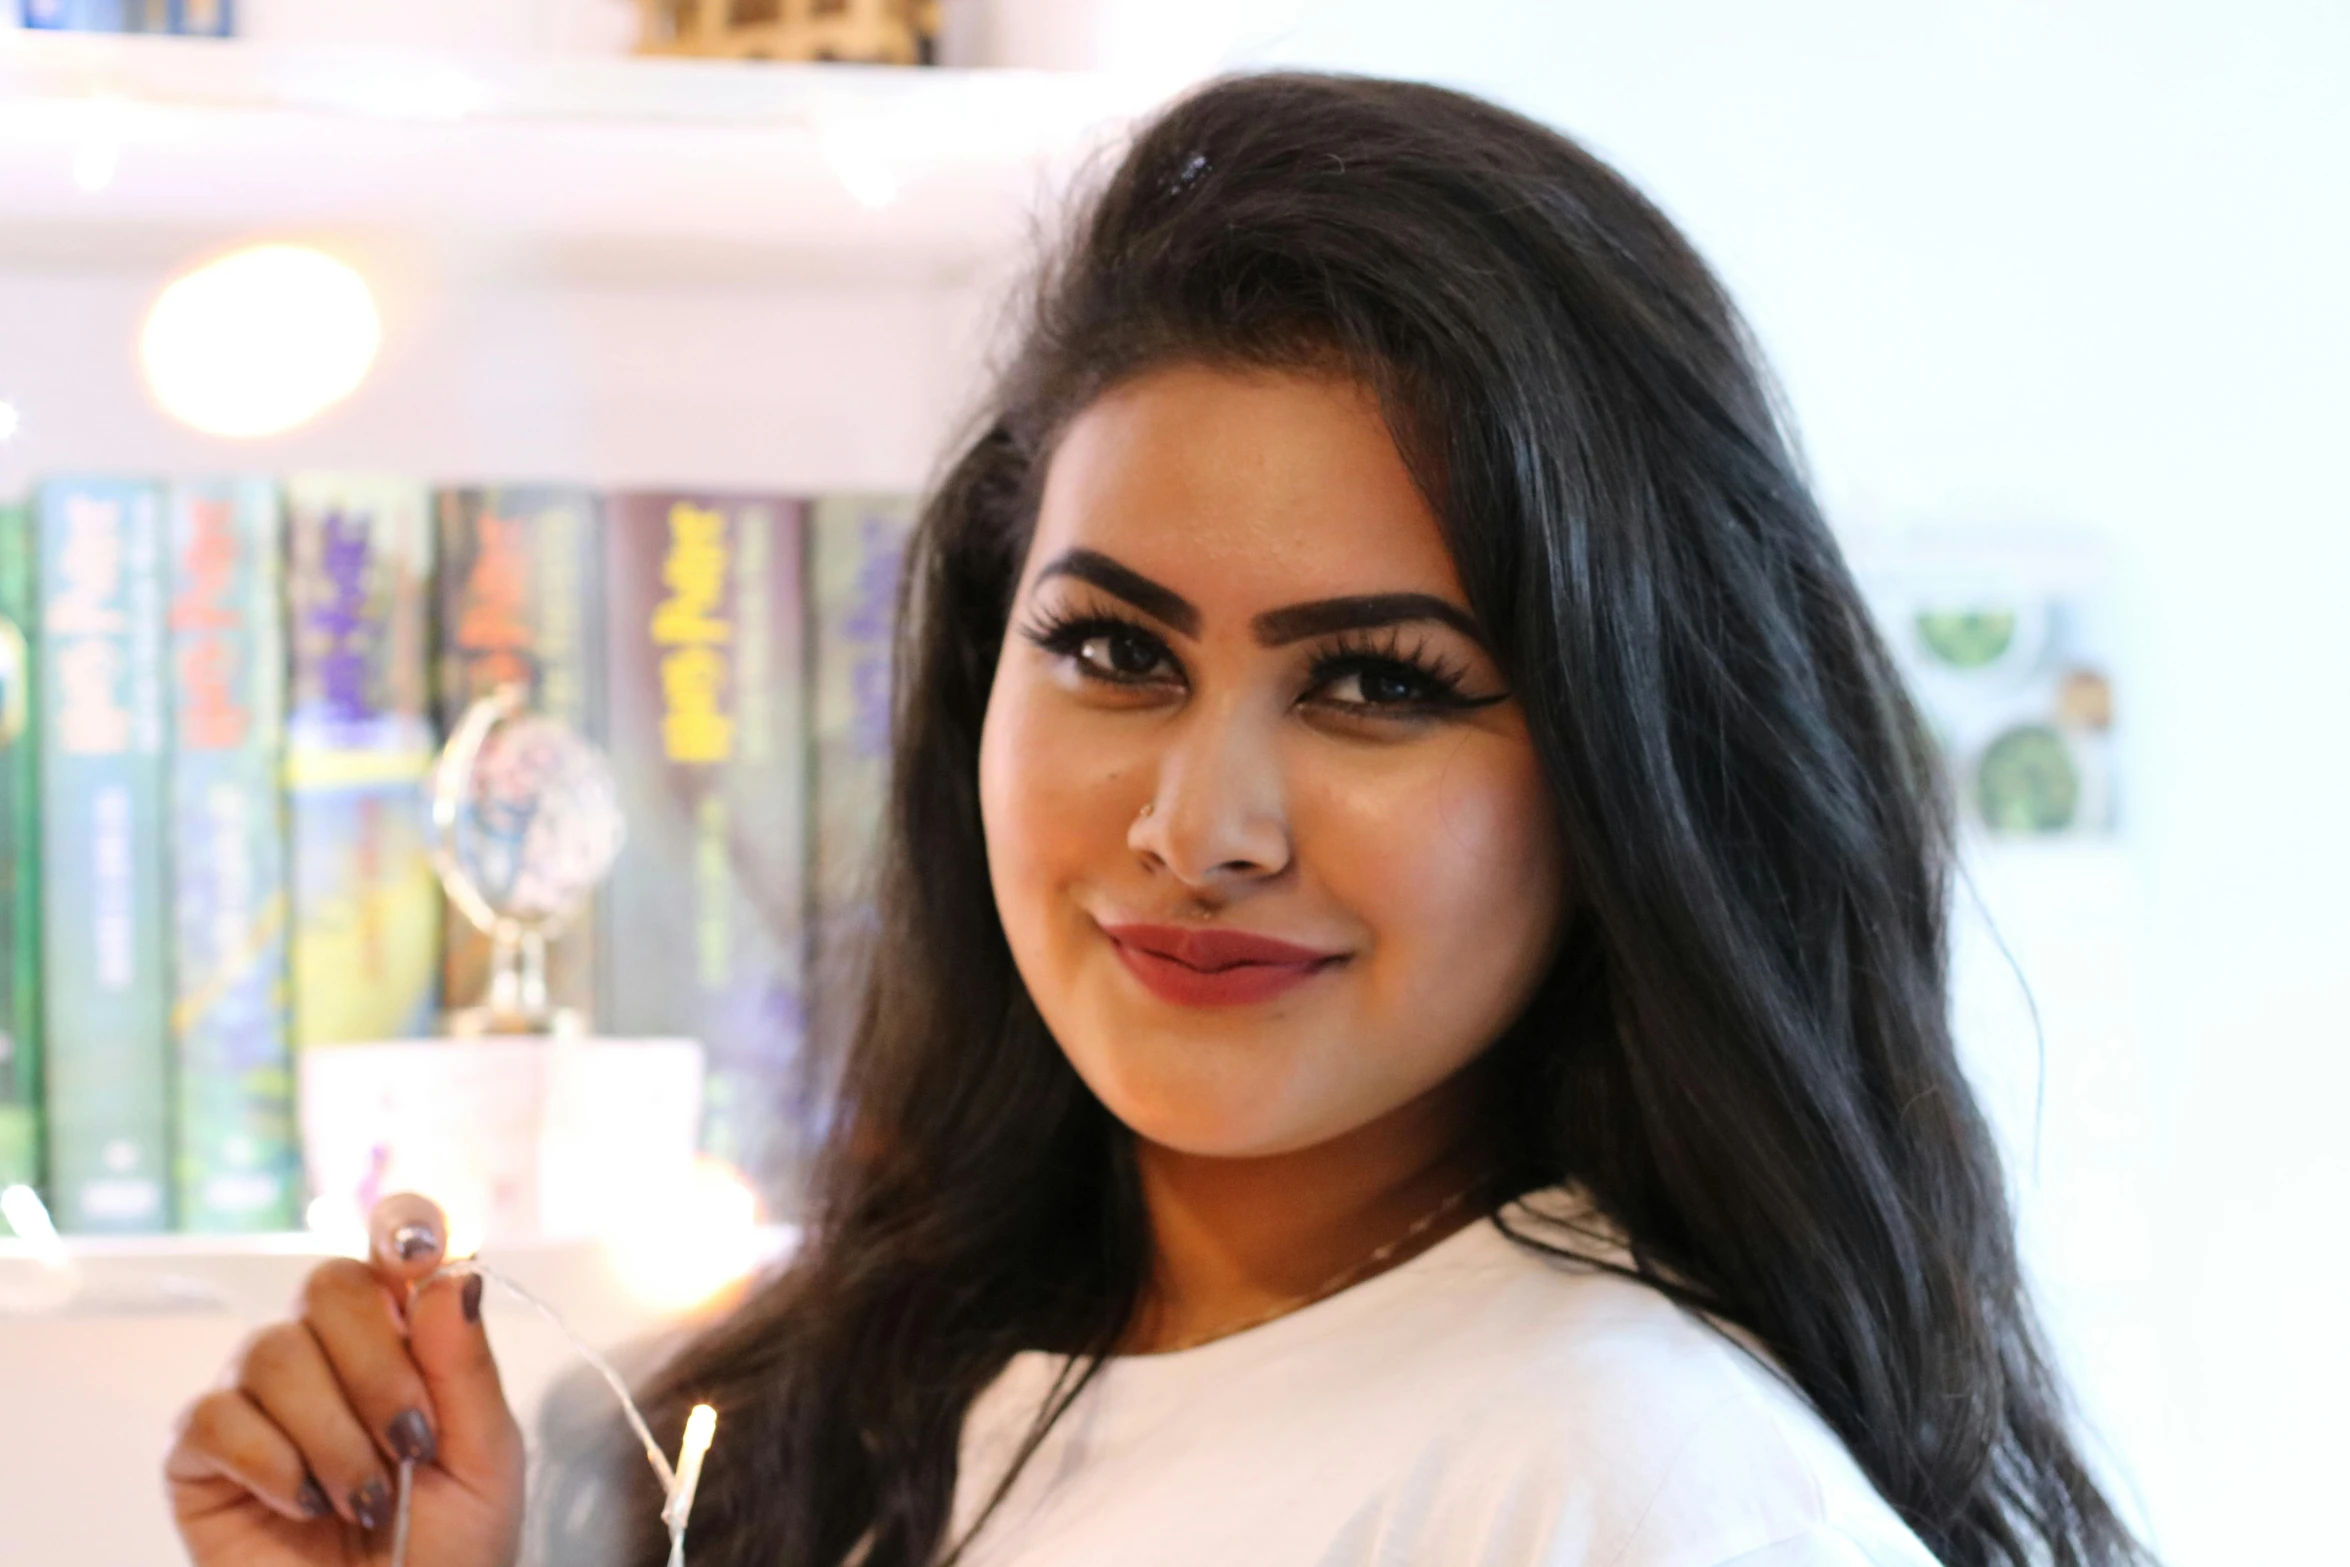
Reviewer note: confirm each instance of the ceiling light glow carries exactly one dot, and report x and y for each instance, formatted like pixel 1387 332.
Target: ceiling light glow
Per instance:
pixel 10 421
pixel 260 341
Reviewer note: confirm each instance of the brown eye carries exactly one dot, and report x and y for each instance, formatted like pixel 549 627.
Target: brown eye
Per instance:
pixel 1373 687
pixel 1389 680
pixel 1380 687
pixel 1119 654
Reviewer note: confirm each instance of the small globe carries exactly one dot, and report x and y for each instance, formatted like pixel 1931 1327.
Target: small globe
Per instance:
pixel 540 822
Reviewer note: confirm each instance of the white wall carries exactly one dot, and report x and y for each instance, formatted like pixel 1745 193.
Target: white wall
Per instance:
pixel 2076 264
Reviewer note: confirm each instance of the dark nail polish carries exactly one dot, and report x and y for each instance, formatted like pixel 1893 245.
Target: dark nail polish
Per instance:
pixel 411 1241
pixel 469 1298
pixel 411 1437
pixel 312 1499
pixel 371 1504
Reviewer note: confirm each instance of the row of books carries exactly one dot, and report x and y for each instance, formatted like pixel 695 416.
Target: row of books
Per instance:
pixel 219 703
pixel 189 18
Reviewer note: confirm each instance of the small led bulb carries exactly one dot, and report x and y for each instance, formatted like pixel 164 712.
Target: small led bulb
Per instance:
pixel 700 1426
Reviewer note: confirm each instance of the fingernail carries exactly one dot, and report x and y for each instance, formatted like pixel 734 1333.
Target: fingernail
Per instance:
pixel 411 1241
pixel 469 1298
pixel 411 1437
pixel 370 1504
pixel 312 1499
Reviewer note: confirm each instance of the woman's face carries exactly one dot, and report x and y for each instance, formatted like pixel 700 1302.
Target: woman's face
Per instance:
pixel 1266 830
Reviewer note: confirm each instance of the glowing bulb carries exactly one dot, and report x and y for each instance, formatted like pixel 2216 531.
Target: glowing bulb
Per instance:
pixel 10 422
pixel 260 340
pixel 700 1426
pixel 682 1243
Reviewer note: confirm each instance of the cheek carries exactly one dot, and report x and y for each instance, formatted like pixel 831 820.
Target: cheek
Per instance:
pixel 1458 872
pixel 1048 791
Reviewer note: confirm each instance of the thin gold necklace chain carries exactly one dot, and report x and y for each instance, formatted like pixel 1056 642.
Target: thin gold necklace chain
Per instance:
pixel 1337 1281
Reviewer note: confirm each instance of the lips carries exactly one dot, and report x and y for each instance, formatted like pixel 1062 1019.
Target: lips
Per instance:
pixel 1208 968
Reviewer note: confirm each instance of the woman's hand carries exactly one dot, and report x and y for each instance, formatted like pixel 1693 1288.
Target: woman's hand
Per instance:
pixel 295 1461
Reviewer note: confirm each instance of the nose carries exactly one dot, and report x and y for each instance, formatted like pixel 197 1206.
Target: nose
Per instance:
pixel 1218 820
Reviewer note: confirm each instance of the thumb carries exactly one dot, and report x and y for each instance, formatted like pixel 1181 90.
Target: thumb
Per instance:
pixel 480 1445
pixel 406 1237
pixel 478 1442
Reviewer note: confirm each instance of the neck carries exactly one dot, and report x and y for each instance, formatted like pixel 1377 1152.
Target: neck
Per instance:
pixel 1235 1239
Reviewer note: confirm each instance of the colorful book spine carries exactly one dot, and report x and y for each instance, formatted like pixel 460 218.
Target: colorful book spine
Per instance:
pixel 235 1150
pixel 106 979
pixel 20 859
pixel 520 603
pixel 856 544
pixel 704 695
pixel 204 18
pixel 192 18
pixel 80 16
pixel 365 952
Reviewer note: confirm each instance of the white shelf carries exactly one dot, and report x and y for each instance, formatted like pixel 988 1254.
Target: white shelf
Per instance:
pixel 616 272
pixel 252 1277
pixel 664 163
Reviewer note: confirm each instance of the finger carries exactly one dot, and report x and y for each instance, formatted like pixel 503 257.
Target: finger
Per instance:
pixel 480 1443
pixel 352 1314
pixel 285 1373
pixel 224 1436
pixel 407 1236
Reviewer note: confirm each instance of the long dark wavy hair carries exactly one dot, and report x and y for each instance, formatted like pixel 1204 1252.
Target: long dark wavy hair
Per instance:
pixel 1744 1050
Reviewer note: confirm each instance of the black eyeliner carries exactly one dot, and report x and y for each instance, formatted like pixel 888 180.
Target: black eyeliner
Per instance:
pixel 1357 653
pixel 1063 632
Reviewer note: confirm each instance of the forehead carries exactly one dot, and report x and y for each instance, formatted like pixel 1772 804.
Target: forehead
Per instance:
pixel 1244 491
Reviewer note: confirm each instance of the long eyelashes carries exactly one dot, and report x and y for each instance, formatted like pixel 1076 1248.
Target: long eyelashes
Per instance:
pixel 1065 635
pixel 1430 681
pixel 1397 674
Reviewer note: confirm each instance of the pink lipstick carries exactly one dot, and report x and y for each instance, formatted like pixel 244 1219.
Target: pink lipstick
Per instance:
pixel 1214 968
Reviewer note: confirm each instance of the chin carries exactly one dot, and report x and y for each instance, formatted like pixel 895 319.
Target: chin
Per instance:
pixel 1195 1103
pixel 1216 1083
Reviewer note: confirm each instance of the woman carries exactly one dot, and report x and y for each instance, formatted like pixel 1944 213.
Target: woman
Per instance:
pixel 1411 1019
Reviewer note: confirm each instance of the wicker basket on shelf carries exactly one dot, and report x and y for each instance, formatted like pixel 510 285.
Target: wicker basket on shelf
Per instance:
pixel 871 32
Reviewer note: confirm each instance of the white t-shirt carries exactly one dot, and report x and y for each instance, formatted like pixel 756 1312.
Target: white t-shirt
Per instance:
pixel 1478 1406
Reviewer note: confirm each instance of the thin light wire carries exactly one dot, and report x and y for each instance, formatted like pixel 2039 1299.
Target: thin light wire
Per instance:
pixel 400 1514
pixel 587 1352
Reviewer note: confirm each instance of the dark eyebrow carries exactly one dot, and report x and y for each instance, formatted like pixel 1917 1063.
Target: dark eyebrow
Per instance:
pixel 1161 603
pixel 1320 618
pixel 1273 628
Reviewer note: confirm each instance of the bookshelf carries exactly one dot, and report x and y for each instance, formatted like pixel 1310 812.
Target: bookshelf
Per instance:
pixel 915 169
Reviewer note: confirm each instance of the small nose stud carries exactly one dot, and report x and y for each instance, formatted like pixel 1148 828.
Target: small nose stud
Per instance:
pixel 1145 811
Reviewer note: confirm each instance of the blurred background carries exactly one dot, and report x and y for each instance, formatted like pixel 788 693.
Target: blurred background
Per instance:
pixel 2054 292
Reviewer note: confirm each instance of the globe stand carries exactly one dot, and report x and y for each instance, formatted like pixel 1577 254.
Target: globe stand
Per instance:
pixel 518 1001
